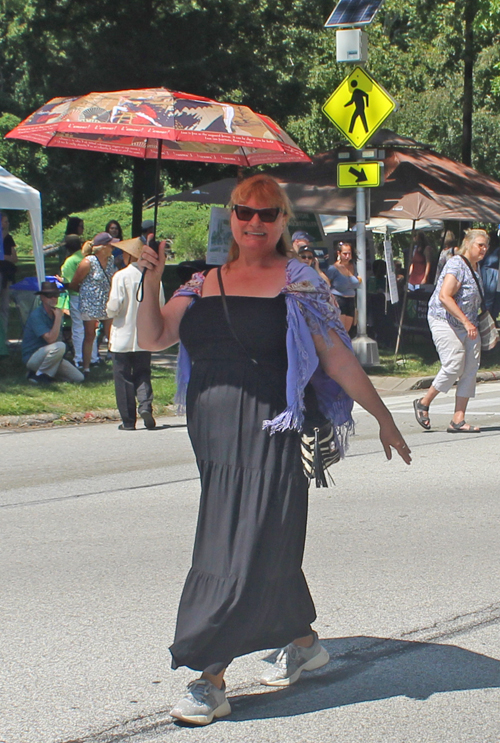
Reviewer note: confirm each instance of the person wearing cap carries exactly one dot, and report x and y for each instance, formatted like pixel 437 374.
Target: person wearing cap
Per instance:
pixel 147 228
pixel 301 239
pixel 42 351
pixel 68 269
pixel 131 364
pixel 93 279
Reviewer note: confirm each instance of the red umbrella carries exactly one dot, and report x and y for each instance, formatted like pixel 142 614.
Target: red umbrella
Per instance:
pixel 158 122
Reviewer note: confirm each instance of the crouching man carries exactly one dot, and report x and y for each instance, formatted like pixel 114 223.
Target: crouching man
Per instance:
pixel 131 364
pixel 42 351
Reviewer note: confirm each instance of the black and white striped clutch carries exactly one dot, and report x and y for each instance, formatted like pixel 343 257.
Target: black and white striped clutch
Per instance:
pixel 318 452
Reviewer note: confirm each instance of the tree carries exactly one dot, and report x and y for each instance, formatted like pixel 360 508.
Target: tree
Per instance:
pixel 253 53
pixel 273 55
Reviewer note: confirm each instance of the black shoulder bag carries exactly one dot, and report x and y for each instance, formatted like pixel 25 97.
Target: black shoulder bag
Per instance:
pixel 317 443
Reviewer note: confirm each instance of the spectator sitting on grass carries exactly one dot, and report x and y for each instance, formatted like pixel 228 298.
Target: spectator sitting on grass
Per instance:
pixel 42 351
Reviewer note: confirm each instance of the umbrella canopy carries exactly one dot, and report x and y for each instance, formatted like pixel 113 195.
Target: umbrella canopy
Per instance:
pixel 131 122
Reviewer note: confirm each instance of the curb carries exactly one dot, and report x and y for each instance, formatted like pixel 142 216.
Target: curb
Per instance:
pixel 397 384
pixel 48 420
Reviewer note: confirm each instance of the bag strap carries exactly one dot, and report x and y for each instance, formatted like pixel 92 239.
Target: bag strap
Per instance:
pixel 483 306
pixel 228 319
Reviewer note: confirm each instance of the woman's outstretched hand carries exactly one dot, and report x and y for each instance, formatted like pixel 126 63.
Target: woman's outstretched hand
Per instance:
pixel 390 436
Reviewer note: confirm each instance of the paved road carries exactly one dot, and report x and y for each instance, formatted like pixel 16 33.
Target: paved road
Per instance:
pixel 402 563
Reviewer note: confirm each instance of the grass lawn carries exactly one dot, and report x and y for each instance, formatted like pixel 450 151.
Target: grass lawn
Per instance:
pixel 20 397
pixel 417 358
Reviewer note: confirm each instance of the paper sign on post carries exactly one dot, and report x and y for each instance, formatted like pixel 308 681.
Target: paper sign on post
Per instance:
pixel 220 236
pixel 391 272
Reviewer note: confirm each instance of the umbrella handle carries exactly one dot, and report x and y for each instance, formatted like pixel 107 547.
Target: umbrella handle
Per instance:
pixel 157 191
pixel 154 245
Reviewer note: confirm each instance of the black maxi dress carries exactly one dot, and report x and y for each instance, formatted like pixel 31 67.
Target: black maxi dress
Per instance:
pixel 245 590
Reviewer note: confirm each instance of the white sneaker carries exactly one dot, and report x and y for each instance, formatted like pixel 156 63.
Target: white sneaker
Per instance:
pixel 202 703
pixel 292 660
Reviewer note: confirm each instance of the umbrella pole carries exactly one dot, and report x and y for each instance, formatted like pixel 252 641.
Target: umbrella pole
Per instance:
pixel 405 295
pixel 157 187
pixel 154 244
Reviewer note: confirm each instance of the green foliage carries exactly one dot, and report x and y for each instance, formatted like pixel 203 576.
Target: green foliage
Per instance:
pixel 186 224
pixel 273 55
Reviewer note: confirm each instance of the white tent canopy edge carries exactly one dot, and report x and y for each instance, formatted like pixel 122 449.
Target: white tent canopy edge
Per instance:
pixel 383 225
pixel 16 194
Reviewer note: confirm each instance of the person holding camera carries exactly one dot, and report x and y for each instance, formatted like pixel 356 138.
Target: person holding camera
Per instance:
pixel 253 334
pixel 306 254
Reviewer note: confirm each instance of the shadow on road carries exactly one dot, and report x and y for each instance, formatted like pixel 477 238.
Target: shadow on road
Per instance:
pixel 366 669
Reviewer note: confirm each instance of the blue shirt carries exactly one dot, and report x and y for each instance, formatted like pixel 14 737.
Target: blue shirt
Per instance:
pixel 341 285
pixel 37 324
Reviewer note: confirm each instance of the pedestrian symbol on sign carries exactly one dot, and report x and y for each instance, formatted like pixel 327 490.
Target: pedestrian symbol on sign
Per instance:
pixel 358 99
pixel 358 107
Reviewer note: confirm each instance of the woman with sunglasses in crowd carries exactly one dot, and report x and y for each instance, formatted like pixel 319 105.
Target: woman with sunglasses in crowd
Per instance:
pixel 306 254
pixel 344 283
pixel 252 333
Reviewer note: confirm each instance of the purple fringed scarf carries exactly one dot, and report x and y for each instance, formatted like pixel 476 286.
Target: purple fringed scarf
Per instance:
pixel 309 311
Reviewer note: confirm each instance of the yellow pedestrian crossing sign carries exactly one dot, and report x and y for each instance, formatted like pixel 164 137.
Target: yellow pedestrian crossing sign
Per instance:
pixel 358 107
pixel 366 174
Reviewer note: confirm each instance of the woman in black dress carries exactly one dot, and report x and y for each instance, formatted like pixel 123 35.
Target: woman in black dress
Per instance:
pixel 246 590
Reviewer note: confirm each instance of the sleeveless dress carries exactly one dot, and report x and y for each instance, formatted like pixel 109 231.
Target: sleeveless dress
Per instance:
pixel 94 289
pixel 245 590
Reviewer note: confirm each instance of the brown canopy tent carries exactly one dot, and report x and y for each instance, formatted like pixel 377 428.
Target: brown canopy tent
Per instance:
pixel 419 184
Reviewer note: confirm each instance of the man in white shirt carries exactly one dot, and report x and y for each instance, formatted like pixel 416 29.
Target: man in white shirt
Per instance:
pixel 131 365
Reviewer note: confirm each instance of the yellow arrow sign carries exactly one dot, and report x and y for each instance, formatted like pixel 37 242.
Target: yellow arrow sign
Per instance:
pixel 367 174
pixel 358 107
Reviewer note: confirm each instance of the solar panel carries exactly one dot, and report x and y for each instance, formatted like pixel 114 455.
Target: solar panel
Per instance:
pixel 349 13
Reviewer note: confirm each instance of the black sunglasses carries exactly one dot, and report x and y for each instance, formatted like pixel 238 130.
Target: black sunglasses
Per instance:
pixel 246 213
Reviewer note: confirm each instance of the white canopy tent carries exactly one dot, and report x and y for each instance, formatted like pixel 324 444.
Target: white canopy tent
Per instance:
pixel 16 194
pixel 384 225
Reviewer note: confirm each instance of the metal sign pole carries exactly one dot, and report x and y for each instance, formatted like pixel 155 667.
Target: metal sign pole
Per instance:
pixel 358 107
pixel 365 348
pixel 361 250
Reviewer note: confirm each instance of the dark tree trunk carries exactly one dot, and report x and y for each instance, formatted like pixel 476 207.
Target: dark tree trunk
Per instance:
pixel 470 11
